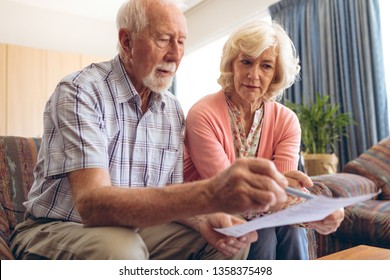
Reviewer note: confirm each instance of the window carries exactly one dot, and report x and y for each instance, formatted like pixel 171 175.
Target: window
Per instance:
pixel 198 74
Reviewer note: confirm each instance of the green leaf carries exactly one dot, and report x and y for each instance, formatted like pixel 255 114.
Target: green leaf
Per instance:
pixel 321 123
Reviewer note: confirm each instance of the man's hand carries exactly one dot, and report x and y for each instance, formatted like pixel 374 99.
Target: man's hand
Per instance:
pixel 227 245
pixel 248 184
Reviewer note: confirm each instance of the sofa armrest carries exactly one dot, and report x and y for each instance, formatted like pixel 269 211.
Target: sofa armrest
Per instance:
pixel 375 165
pixel 346 184
pixel 5 251
pixel 320 188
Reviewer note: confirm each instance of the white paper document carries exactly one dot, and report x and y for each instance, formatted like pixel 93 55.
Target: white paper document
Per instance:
pixel 314 209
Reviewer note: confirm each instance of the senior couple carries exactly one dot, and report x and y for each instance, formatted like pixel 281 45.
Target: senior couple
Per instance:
pixel 121 175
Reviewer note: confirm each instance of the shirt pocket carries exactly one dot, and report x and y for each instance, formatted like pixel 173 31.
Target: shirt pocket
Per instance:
pixel 161 163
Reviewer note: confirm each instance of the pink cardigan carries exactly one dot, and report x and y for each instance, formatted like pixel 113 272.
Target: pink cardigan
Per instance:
pixel 208 138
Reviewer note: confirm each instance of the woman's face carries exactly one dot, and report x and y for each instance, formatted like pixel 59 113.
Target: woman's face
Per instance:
pixel 253 76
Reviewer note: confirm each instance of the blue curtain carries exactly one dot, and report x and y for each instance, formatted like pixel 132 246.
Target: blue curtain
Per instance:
pixel 340 47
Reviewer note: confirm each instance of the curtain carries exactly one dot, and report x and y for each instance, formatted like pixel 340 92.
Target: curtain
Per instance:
pixel 340 47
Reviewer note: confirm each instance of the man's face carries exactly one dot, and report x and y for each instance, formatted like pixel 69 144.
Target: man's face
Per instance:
pixel 158 50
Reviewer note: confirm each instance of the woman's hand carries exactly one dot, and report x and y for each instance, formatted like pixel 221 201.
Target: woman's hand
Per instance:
pixel 329 224
pixel 298 179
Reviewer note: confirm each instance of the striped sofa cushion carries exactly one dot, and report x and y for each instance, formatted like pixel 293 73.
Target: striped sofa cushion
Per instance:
pixel 375 165
pixel 5 251
pixel 365 223
pixel 346 184
pixel 368 221
pixel 18 156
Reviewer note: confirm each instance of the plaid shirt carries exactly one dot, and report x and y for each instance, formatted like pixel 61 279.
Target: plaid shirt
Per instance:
pixel 94 120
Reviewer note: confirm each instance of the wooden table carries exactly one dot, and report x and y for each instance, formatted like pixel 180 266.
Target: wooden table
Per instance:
pixel 361 252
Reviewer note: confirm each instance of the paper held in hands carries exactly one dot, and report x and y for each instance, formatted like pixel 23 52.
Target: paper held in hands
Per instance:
pixel 314 209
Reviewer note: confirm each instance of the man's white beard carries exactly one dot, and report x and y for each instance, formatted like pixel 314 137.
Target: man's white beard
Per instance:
pixel 159 84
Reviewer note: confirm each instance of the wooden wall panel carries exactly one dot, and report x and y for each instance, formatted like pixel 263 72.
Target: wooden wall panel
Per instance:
pixel 3 90
pixel 58 65
pixel 26 90
pixel 28 78
pixel 88 59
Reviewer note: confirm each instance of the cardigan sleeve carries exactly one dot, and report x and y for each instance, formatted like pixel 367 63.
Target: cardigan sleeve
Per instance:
pixel 207 141
pixel 287 141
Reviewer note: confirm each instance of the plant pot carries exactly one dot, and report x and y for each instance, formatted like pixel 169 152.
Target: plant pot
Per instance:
pixel 319 164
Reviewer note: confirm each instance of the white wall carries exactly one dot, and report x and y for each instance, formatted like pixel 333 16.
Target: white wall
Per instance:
pixel 28 25
pixel 213 19
pixel 47 29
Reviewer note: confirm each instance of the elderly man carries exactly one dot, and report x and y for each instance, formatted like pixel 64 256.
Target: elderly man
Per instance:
pixel 108 181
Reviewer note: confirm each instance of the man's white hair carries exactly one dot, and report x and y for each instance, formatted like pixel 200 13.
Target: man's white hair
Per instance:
pixel 133 16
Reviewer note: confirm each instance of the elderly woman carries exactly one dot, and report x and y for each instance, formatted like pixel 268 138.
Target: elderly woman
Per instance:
pixel 244 119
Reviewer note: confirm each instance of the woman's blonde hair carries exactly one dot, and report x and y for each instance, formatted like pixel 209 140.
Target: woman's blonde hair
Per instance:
pixel 253 39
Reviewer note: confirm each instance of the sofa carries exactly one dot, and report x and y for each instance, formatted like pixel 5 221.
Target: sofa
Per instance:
pixel 18 156
pixel 365 223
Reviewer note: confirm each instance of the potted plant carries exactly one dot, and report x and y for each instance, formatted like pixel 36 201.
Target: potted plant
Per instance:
pixel 322 126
